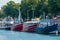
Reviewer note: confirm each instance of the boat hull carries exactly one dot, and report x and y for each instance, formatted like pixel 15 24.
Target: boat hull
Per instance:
pixel 47 29
pixel 18 27
pixel 31 28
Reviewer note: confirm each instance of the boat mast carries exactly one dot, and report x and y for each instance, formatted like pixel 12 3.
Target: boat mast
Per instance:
pixel 27 14
pixel 44 15
pixel 33 13
pixel 19 17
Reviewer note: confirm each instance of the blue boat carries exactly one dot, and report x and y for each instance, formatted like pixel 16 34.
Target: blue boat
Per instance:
pixel 46 26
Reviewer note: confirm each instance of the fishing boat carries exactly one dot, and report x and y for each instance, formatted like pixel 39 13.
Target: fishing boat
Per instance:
pixel 6 23
pixel 46 26
pixel 28 26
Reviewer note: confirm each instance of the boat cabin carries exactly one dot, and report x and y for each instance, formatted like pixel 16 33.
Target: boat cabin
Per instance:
pixel 46 22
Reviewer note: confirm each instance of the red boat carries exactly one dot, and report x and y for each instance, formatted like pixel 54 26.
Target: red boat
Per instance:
pixel 29 26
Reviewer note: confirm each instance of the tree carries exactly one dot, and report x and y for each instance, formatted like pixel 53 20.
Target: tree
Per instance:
pixel 1 14
pixel 58 4
pixel 30 6
pixel 11 9
pixel 53 8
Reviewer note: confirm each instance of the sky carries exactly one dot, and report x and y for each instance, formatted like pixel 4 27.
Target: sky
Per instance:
pixel 4 2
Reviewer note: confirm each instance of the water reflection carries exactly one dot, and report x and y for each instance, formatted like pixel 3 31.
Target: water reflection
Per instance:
pixel 12 35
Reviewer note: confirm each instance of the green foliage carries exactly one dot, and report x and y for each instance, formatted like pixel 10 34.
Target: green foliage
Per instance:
pixel 39 6
pixel 30 6
pixel 1 14
pixel 11 9
pixel 50 7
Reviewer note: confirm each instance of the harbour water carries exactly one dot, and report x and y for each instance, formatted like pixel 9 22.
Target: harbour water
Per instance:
pixel 13 35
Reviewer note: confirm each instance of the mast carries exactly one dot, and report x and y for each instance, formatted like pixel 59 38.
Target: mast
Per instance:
pixel 44 15
pixel 33 13
pixel 27 14
pixel 19 17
